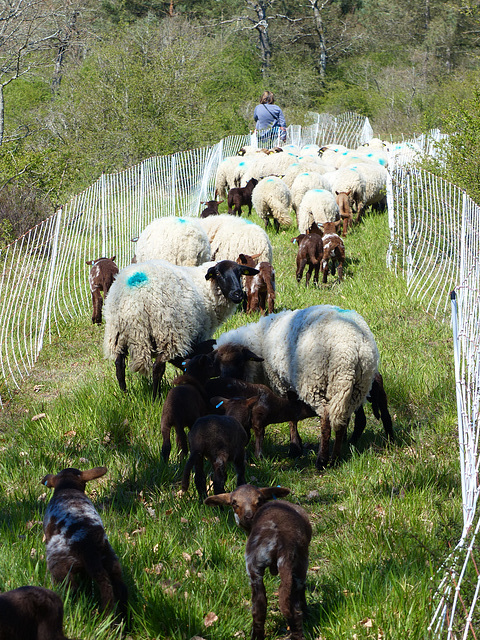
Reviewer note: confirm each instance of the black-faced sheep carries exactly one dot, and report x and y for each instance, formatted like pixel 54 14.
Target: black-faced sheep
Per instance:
pixel 102 274
pixel 157 309
pixel 76 541
pixel 219 439
pixel 241 196
pixel 279 535
pixel 259 289
pixel 326 355
pixel 310 252
pixel 31 613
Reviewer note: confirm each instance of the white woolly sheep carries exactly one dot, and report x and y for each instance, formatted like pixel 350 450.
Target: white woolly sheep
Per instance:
pixel 272 199
pixel 350 181
pixel 279 534
pixel 363 154
pixel 332 154
pixel 31 613
pixel 303 183
pixel 181 241
pixel 230 236
pixel 158 309
pixel 326 355
pixel 375 178
pixel 75 538
pixel 319 206
pixel 272 165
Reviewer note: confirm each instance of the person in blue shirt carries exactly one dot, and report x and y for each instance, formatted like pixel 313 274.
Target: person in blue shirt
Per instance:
pixel 269 118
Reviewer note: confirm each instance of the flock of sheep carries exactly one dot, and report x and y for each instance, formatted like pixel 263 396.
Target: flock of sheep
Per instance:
pixel 187 277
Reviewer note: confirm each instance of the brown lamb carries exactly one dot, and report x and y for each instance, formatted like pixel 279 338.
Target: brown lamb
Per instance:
pixel 211 208
pixel 333 250
pixel 310 252
pixel 241 196
pixel 31 613
pixel 279 535
pixel 343 201
pixel 220 439
pixel 76 541
pixel 259 289
pixel 102 274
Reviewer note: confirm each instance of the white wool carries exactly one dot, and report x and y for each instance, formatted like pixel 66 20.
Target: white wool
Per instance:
pixel 271 198
pixel 317 205
pixel 155 300
pixel 303 183
pixel 224 178
pixel 230 236
pixel 347 180
pixel 364 154
pixel 263 165
pixel 326 355
pixel 375 177
pixel 181 241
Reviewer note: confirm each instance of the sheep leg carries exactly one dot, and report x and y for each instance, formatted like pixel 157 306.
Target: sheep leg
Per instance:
pixel 254 301
pixel 337 446
pixel 379 401
pixel 291 600
pixel 187 471
pixel 97 301
pixel 326 432
pixel 360 424
pixel 296 444
pixel 94 568
pixel 309 274
pixel 239 463
pixel 259 600
pixel 219 475
pixel 301 264
pixel 340 271
pixel 325 271
pixel 316 273
pixel 166 444
pixel 114 570
pixel 200 478
pixel 120 369
pixel 276 225
pixel 158 371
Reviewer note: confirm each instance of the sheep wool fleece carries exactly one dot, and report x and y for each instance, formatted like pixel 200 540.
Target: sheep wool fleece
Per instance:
pixel 157 307
pixel 327 355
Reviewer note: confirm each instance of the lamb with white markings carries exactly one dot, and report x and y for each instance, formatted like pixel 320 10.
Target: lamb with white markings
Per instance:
pixel 181 241
pixel 100 279
pixel 333 251
pixel 230 236
pixel 272 199
pixel 279 534
pixel 161 310
pixel 76 540
pixel 317 206
pixel 326 355
pixel 31 613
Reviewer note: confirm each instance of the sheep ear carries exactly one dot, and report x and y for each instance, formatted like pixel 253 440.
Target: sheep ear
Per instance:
pixel 249 271
pixel 272 493
pixel 113 259
pixel 89 261
pixel 242 259
pixel 49 480
pixel 249 355
pixel 221 498
pixel 210 275
pixel 92 474
pixel 221 201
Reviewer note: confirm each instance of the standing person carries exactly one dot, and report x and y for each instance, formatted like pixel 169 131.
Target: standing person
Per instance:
pixel 269 118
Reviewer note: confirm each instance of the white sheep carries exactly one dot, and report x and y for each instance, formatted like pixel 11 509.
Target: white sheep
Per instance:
pixel 351 182
pixel 363 154
pixel 224 178
pixel 332 153
pixel 326 355
pixel 230 236
pixel 178 240
pixel 317 206
pixel 303 183
pixel 375 177
pixel 271 165
pixel 271 198
pixel 158 309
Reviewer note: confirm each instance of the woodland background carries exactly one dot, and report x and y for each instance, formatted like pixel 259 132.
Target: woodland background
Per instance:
pixel 89 86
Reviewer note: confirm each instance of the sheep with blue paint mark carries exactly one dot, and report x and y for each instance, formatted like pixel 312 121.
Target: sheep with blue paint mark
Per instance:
pixel 317 206
pixel 272 200
pixel 176 239
pixel 159 310
pixel 327 356
pixel 303 183
pixel 230 236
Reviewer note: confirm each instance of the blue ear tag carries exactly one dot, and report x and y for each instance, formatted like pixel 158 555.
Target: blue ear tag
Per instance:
pixel 219 404
pixel 46 483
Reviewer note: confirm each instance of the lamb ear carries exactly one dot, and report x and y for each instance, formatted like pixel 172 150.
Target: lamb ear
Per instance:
pixel 249 271
pixel 272 493
pixel 113 259
pixel 210 275
pixel 49 481
pixel 221 499
pixel 89 261
pixel 92 474
pixel 249 355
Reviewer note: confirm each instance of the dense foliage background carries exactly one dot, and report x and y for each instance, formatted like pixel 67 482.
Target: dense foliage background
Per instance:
pixel 88 87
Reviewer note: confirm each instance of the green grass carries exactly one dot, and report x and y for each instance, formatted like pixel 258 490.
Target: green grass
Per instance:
pixel 383 519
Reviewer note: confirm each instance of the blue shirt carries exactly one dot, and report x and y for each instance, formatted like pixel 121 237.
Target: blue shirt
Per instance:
pixel 268 115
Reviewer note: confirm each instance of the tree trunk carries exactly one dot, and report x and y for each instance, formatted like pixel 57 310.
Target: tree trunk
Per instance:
pixel 261 26
pixel 61 50
pixel 322 43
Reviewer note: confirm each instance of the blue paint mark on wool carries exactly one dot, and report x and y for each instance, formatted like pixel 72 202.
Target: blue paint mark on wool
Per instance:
pixel 182 220
pixel 249 222
pixel 138 279
pixel 340 310
pixel 319 190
